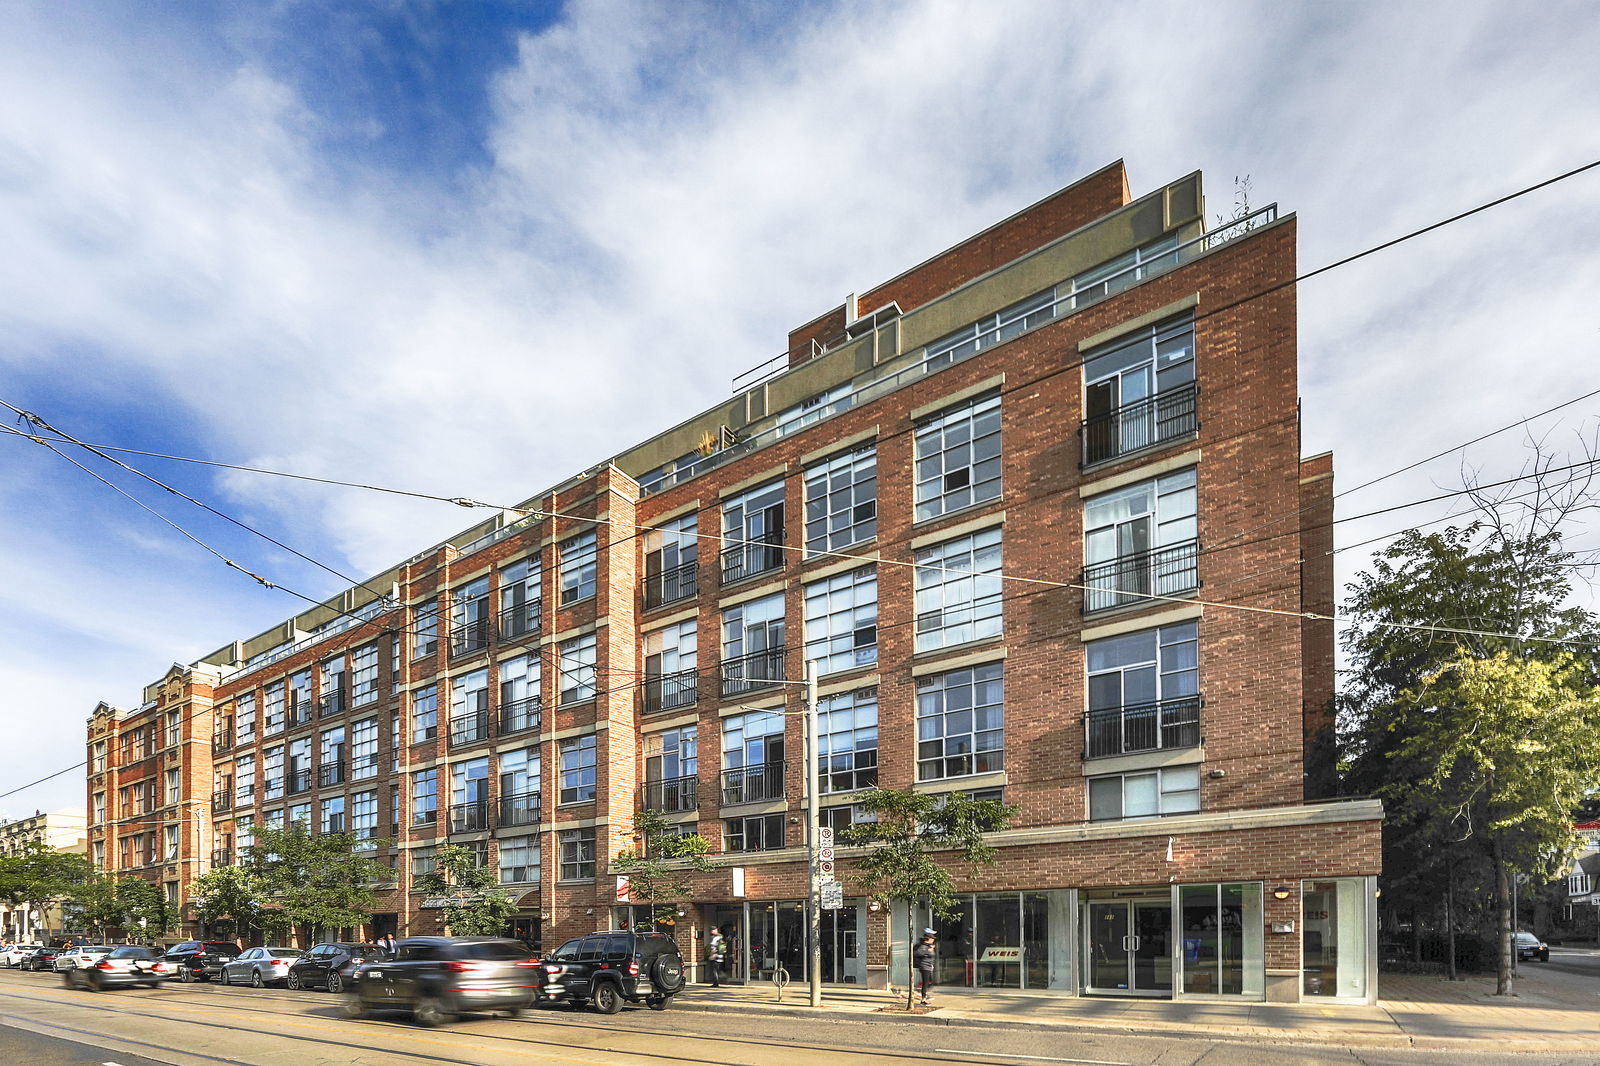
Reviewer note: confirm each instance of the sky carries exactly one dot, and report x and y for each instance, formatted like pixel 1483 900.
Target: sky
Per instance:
pixel 470 248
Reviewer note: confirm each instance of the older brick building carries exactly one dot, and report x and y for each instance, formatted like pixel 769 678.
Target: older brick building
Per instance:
pixel 1037 509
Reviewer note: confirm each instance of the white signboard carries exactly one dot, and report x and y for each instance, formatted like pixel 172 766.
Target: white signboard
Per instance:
pixel 738 880
pixel 825 836
pixel 832 895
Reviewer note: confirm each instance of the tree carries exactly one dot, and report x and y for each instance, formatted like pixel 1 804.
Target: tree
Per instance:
pixel 143 905
pixel 44 875
pixel 94 904
pixel 317 882
pixel 1510 747
pixel 899 866
pixel 478 905
pixel 231 892
pixel 658 872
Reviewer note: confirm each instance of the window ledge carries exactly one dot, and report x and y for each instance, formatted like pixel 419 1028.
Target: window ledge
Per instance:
pixel 990 649
pixel 1100 466
pixel 972 782
pixel 969 510
pixel 1143 760
pixel 1166 599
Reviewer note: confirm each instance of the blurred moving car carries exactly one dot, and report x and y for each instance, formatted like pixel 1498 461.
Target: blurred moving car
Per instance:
pixel 258 967
pixel 79 958
pixel 439 978
pixel 610 967
pixel 200 960
pixel 13 955
pixel 1529 947
pixel 331 965
pixel 117 968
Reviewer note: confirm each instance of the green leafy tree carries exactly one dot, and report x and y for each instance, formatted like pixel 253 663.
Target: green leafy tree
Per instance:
pixel 1509 748
pixel 142 905
pixel 658 872
pixel 45 876
pixel 901 863
pixel 93 904
pixel 317 882
pixel 233 893
pixel 479 907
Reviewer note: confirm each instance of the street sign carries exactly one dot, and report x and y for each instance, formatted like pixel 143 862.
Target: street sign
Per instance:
pixel 825 836
pixel 825 868
pixel 832 895
pixel 825 853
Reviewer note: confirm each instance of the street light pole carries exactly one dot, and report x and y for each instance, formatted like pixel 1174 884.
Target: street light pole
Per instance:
pixel 813 854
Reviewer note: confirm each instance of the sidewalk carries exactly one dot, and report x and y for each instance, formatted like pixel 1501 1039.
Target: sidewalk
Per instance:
pixel 1548 1014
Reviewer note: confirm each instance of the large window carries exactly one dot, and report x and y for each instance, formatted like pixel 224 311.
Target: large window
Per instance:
pixel 364 815
pixel 1222 939
pixel 1139 390
pixel 272 772
pixel 519 860
pixel 577 663
pixel 990 330
pixel 958 457
pixel 300 707
pixel 1175 790
pixel 425 797
pixel 519 787
pixel 330 761
pixel 670 654
pixel 425 629
pixel 961 722
pixel 577 568
pixel 1144 690
pixel 577 855
pixel 762 832
pixel 752 530
pixel 273 718
pixel 469 795
pixel 425 713
pixel 847 740
pixel 244 780
pixel 332 680
pixel 752 645
pixel 520 700
pixel 578 769
pixel 842 621
pixel 752 757
pixel 842 500
pixel 246 718
pixel 671 761
pixel 364 675
pixel 1140 541
pixel 364 749
pixel 469 708
pixel 671 552
pixel 469 617
pixel 333 817
pixel 959 593
pixel 521 597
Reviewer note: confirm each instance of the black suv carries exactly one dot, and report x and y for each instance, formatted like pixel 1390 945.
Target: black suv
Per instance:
pixel 437 978
pixel 199 960
pixel 609 967
pixel 331 965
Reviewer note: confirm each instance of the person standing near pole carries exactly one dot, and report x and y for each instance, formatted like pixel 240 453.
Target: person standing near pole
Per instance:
pixel 924 959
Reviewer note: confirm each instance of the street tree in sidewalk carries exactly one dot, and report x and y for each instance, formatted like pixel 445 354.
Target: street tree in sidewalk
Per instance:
pixel 229 892
pixel 93 904
pixel 1509 748
pixel 318 882
pixel 909 830
pixel 478 905
pixel 44 876
pixel 658 870
pixel 143 906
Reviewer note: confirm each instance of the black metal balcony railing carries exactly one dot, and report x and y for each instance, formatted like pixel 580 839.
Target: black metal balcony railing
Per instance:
pixel 1165 416
pixel 670 586
pixel 220 742
pixel 521 716
pixel 222 800
pixel 521 809
pixel 299 780
pixel 1135 578
pixel 330 773
pixel 670 795
pixel 469 817
pixel 757 555
pixel 752 784
pixel 521 619
pixel 761 669
pixel 469 729
pixel 467 637
pixel 663 692
pixel 331 704
pixel 1142 727
pixel 222 857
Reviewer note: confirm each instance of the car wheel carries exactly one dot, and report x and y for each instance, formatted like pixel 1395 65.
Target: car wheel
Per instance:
pixel 352 1007
pixel 657 1003
pixel 335 983
pixel 255 979
pixel 187 975
pixel 223 978
pixel 606 998
pixel 293 981
pixel 431 1011
pixel 95 983
pixel 67 980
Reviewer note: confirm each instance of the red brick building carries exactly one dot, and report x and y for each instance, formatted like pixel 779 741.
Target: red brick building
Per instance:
pixel 1037 509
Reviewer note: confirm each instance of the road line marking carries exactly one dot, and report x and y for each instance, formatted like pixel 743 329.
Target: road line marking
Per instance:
pixel 1030 1058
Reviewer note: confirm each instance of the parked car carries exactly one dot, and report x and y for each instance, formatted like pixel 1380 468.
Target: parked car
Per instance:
pixel 118 967
pixel 42 957
pixel 607 968
pixel 439 978
pixel 13 955
pixel 80 957
pixel 260 966
pixel 331 965
pixel 200 960
pixel 1529 946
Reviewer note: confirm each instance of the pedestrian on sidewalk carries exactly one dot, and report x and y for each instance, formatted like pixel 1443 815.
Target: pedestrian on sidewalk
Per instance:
pixel 716 947
pixel 923 958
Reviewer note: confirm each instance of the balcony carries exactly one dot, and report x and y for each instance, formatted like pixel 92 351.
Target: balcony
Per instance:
pixel 1142 727
pixel 469 817
pixel 299 781
pixel 468 637
pixel 220 743
pixel 1154 420
pixel 1135 578
pixel 331 704
pixel 469 729
pixel 664 692
pixel 330 773
pixel 752 784
pixel 521 716
pixel 761 554
pixel 671 795
pixel 747 673
pixel 670 586
pixel 521 619
pixel 222 857
pixel 521 809
pixel 222 801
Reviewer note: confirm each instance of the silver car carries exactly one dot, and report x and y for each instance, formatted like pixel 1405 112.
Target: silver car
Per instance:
pixel 81 958
pixel 259 967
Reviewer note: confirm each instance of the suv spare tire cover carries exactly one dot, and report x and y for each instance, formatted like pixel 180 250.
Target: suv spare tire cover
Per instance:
pixel 667 972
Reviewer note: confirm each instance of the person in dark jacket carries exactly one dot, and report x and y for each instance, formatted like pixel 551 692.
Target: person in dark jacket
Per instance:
pixel 924 958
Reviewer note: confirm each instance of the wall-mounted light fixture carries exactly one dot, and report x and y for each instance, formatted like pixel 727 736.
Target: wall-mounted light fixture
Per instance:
pixel 1281 892
pixel 1218 774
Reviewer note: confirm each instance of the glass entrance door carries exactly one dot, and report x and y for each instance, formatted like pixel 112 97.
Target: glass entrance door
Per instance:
pixel 1128 947
pixel 841 948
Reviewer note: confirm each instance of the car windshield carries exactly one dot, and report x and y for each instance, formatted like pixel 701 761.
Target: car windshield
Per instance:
pixel 496 950
pixel 222 948
pixel 285 953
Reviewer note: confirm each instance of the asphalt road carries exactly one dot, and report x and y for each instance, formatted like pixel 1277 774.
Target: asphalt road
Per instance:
pixel 1579 962
pixel 204 1025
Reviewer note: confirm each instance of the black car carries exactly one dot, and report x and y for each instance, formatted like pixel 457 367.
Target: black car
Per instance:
pixel 199 960
pixel 119 967
pixel 437 978
pixel 609 967
pixel 331 965
pixel 42 959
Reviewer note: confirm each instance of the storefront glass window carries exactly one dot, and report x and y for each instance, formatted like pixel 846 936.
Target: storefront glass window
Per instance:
pixel 1222 939
pixel 1334 920
pixel 1003 940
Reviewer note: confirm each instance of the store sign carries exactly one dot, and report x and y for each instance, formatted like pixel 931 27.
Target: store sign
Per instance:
pixel 439 903
pixel 1001 955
